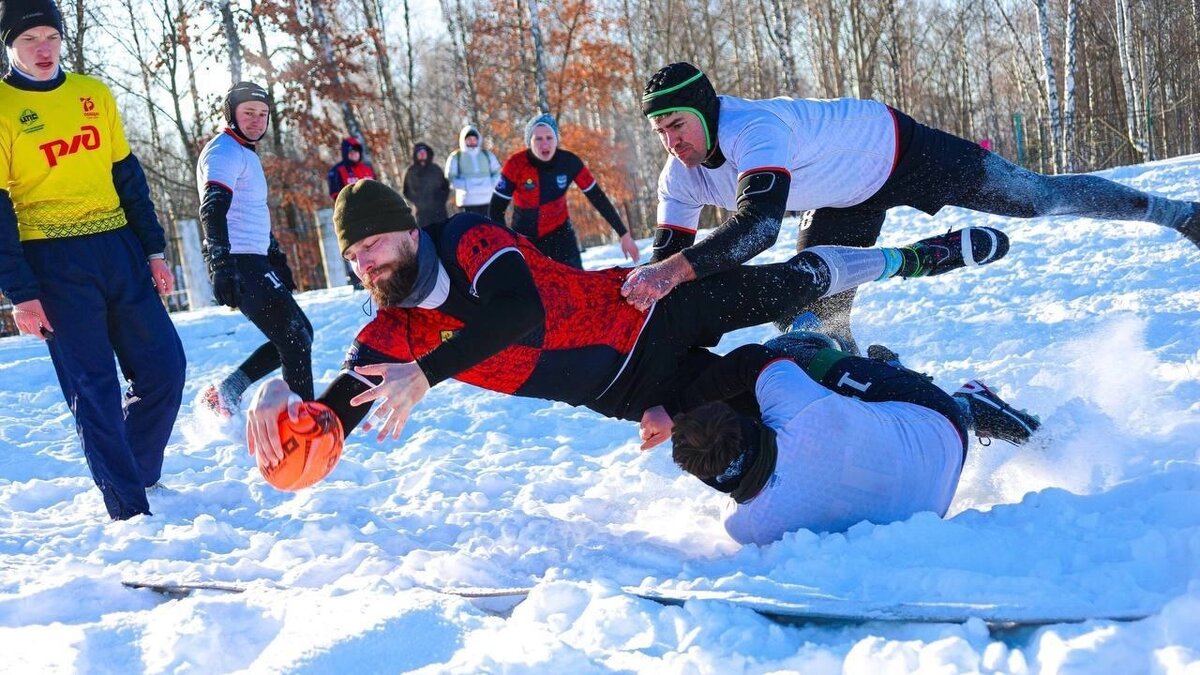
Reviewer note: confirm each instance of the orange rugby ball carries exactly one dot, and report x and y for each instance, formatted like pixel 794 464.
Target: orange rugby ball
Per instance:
pixel 312 446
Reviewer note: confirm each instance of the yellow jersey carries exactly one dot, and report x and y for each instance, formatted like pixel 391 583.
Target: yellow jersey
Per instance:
pixel 57 150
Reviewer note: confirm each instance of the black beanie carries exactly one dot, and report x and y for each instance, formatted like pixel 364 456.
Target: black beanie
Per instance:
pixel 366 208
pixel 682 87
pixel 20 15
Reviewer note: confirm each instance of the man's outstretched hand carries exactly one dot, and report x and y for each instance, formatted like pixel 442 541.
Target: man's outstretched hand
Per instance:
pixel 403 386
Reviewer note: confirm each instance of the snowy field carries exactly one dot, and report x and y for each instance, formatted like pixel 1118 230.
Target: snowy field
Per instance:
pixel 1093 325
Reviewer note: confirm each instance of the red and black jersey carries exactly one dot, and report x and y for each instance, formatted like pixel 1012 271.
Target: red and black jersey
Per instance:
pixel 346 173
pixel 538 191
pixel 482 333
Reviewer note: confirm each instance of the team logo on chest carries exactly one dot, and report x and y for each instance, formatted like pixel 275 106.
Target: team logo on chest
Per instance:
pixel 530 184
pixel 561 180
pixel 88 106
pixel 447 335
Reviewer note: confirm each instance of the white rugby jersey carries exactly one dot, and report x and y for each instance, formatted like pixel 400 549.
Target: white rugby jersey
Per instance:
pixel 229 163
pixel 839 152
pixel 842 460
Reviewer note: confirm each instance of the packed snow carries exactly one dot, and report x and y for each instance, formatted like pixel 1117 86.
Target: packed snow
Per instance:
pixel 1095 326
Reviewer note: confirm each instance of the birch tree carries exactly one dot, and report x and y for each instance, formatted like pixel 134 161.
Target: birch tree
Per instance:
pixel 1130 79
pixel 1049 82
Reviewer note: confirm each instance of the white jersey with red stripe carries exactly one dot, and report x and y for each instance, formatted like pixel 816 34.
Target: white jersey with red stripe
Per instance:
pixel 841 460
pixel 227 162
pixel 839 152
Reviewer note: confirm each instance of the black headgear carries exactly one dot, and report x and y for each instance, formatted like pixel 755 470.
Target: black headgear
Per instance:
pixel 682 87
pixel 239 94
pixel 21 15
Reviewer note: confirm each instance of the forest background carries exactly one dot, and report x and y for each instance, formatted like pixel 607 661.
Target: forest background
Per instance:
pixel 1055 85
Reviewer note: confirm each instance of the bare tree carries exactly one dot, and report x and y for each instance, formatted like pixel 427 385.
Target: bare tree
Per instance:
pixel 1050 84
pixel 374 17
pixel 1130 78
pixel 778 17
pixel 233 41
pixel 1070 50
pixel 456 26
pixel 539 55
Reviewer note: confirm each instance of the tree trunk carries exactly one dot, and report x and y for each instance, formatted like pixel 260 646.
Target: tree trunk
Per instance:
pixel 1050 83
pixel 233 42
pixel 383 62
pixel 777 17
pixel 1070 50
pixel 330 63
pixel 539 56
pixel 78 64
pixel 1129 79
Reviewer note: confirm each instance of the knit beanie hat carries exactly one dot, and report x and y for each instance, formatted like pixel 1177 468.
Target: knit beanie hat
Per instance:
pixel 682 87
pixel 20 15
pixel 540 119
pixel 367 208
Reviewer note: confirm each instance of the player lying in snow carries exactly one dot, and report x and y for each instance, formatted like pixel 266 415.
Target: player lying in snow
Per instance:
pixel 469 299
pixel 839 439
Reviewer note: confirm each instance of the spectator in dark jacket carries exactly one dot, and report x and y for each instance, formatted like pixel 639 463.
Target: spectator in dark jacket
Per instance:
pixel 426 187
pixel 351 169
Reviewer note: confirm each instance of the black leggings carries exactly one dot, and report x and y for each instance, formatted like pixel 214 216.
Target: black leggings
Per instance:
pixel 937 169
pixel 270 306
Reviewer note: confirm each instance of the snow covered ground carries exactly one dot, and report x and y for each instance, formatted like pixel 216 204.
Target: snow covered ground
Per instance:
pixel 1093 325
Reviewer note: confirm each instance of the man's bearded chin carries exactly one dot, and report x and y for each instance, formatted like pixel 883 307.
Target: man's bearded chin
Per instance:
pixel 393 284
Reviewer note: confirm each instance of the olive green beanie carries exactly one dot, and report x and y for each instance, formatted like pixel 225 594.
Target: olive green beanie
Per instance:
pixel 366 208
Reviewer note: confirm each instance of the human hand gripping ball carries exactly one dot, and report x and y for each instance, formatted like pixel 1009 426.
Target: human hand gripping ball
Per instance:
pixel 312 446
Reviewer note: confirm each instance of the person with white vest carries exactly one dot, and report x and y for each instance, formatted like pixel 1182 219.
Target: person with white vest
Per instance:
pixel 473 172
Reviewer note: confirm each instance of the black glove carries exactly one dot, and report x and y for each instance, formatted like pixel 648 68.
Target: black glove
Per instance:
pixel 222 272
pixel 279 265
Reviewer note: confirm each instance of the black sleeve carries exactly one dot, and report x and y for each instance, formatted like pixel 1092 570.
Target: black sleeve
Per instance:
pixel 407 190
pixel 600 200
pixel 17 282
pixel 134 193
pixel 734 374
pixel 511 308
pixel 214 212
pixel 338 394
pixel 761 203
pixel 497 207
pixel 668 241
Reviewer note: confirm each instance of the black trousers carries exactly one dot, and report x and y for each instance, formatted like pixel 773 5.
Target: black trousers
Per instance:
pixel 562 246
pixel 270 306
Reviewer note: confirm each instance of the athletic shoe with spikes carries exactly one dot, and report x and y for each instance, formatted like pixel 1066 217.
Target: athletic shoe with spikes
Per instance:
pixel 993 418
pixel 212 400
pixel 968 247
